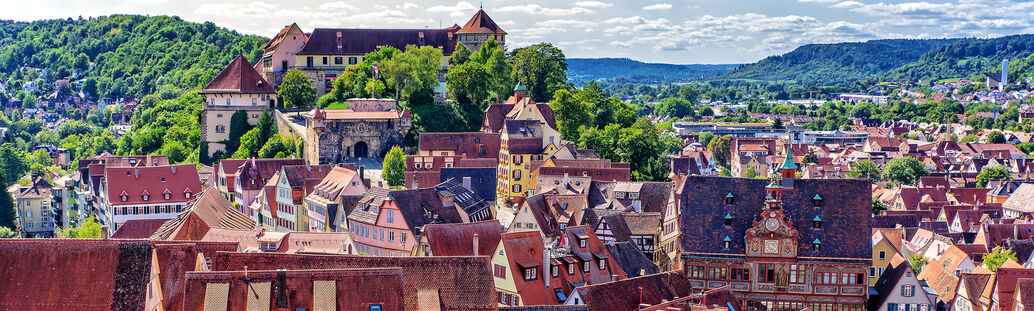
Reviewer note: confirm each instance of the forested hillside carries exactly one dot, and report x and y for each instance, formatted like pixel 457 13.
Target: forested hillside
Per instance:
pixel 160 60
pixel 839 62
pixel 585 69
pixel 965 58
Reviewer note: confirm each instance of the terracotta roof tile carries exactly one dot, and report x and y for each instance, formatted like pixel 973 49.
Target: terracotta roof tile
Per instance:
pixel 239 77
pixel 481 24
pixel 153 181
pixel 625 294
pixel 458 239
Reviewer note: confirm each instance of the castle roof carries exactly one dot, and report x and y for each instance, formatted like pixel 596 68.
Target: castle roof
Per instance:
pixel 326 41
pixel 239 77
pixel 481 24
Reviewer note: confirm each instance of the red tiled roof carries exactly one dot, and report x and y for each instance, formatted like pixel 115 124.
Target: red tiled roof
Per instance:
pixel 381 286
pixel 349 114
pixel 458 239
pixel 471 145
pixel 209 210
pixel 154 181
pixel 455 283
pixel 481 24
pixel 138 228
pixel 625 294
pixel 1007 278
pixel 280 36
pixel 239 77
pixel 74 274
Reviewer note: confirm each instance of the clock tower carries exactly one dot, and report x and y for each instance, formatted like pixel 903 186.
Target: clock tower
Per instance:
pixel 773 237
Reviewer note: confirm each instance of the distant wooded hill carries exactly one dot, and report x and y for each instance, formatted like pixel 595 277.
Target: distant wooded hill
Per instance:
pixel 615 69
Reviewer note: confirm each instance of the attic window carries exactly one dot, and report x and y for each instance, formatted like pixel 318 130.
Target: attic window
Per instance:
pixel 729 198
pixel 816 223
pixel 167 196
pixel 188 194
pixel 728 220
pixel 817 201
pixel 125 198
pixel 146 197
pixel 816 244
pixel 726 242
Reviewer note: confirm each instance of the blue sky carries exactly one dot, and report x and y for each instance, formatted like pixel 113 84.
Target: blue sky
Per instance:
pixel 685 32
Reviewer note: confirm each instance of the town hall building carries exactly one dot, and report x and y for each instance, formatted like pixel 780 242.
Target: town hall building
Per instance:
pixel 789 244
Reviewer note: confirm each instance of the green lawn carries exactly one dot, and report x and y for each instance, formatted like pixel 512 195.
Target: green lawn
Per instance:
pixel 337 105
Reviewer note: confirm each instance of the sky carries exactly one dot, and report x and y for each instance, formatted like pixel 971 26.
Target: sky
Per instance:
pixel 666 31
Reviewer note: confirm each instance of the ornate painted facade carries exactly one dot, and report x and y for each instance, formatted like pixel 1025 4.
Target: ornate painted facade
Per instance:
pixel 368 129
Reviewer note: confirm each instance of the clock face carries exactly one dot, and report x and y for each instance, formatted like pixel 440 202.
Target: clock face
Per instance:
pixel 772 224
pixel 771 246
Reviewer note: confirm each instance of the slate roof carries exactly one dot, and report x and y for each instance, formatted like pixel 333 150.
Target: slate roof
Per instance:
pixel 458 239
pixel 631 260
pixel 470 202
pixel 239 77
pixel 624 225
pixel 420 207
pixel 324 41
pixel 892 221
pixel 74 274
pixel 456 283
pixel 482 179
pixel 846 212
pixel 623 295
pixel 898 269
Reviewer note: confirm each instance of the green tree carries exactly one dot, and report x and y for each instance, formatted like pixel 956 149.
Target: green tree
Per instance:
pixel 395 167
pixel 90 229
pixel 13 161
pixel 469 82
pixel 278 147
pixel 720 148
pixel 571 114
pixel 42 157
pixel 413 73
pixel 995 137
pixel 904 170
pixel 266 126
pixel 750 172
pixel 878 206
pixel 251 143
pixel 238 126
pixel 296 91
pixel 689 94
pixel 705 138
pixel 542 68
pixel 809 157
pixel 917 261
pixel 992 173
pixel 997 258
pixel 969 138
pixel 864 170
pixel 7 211
pixel 459 55
pixel 175 151
pixel 7 233
pixel 725 172
pixel 675 107
pixel 777 124
pixel 81 62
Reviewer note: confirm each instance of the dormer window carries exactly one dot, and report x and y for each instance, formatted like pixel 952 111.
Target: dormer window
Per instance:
pixel 728 220
pixel 168 196
pixel 816 223
pixel 125 198
pixel 581 243
pixel 817 201
pixel 147 197
pixel 729 198
pixel 188 194
pixel 530 274
pixel 816 244
pixel 726 242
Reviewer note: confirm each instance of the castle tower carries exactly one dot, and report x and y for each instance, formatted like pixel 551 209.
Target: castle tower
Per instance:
pixel 789 169
pixel 479 29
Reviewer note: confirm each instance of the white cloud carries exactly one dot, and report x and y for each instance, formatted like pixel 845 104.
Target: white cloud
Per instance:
pixel 659 6
pixel 593 4
pixel 848 4
pixel 336 6
pixel 539 10
pixel 460 6
pixel 407 5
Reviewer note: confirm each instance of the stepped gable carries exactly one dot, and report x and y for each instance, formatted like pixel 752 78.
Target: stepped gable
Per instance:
pixel 238 77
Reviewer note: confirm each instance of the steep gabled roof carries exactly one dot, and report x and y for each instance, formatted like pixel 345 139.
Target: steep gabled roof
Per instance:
pixel 631 259
pixel 239 77
pixel 481 24
pixel 625 294
pixel 208 210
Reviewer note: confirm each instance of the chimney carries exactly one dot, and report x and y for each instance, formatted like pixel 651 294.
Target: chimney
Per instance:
pixel 362 172
pixel 466 183
pixel 547 271
pixel 173 169
pixel 475 244
pixel 565 178
pixel 281 288
pixel 104 232
pixel 136 172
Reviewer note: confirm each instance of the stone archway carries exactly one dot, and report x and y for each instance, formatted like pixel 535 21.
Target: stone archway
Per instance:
pixel 361 150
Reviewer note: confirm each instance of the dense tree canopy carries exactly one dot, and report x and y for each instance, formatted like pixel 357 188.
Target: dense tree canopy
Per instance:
pixel 542 68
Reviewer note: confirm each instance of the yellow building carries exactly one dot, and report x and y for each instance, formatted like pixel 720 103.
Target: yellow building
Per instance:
pixel 885 244
pixel 527 133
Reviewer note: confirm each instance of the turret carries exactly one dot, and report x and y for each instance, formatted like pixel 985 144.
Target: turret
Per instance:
pixel 788 169
pixel 520 92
